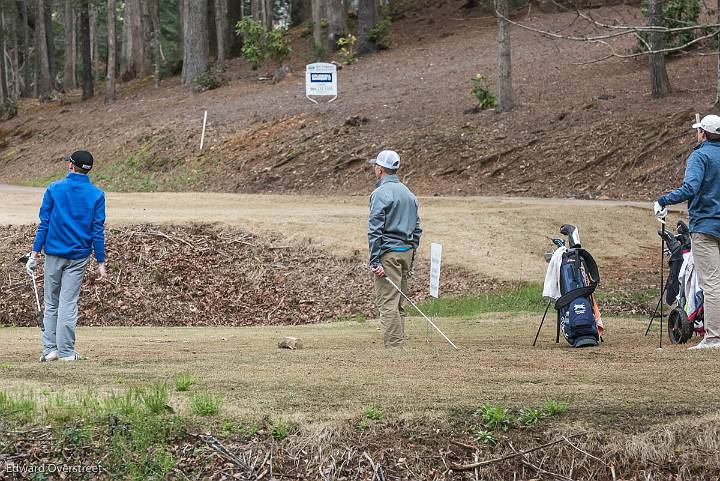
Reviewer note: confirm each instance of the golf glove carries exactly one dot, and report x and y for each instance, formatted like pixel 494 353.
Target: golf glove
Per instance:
pixel 31 265
pixel 660 212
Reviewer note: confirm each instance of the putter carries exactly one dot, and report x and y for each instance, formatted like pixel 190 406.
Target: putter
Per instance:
pixel 38 312
pixel 421 312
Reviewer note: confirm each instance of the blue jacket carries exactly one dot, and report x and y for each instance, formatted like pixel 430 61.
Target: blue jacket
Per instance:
pixel 394 223
pixel 72 219
pixel 701 188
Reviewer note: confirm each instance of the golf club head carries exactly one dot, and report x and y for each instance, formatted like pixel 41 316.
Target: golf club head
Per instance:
pixel 572 234
pixel 39 320
pixel 24 259
pixel 559 242
pixel 682 228
pixel 670 241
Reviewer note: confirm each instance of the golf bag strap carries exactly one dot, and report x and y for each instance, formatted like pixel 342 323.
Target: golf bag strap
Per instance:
pixel 574 294
pixel 594 274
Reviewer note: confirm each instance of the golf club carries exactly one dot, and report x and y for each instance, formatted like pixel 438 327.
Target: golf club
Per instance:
pixel 421 312
pixel 38 311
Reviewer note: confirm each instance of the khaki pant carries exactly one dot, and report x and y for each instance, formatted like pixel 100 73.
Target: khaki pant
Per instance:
pixel 706 253
pixel 397 267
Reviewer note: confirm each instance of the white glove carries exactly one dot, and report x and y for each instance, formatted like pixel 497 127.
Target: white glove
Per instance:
pixel 660 212
pixel 31 264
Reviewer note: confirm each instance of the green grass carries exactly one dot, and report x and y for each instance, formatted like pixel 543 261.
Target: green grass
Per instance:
pixel 280 430
pixel 524 298
pixel 205 404
pixel 553 408
pixel 373 413
pixel 155 398
pixel 184 381
pixel 20 408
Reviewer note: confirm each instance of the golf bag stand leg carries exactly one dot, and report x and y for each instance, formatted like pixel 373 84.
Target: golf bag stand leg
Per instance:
pixel 541 323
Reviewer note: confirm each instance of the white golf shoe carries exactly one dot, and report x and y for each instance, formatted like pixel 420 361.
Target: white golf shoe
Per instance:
pixel 50 356
pixel 73 357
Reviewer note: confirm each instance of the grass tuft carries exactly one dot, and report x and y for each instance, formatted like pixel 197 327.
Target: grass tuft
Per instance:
pixel 205 404
pixel 553 408
pixel 184 381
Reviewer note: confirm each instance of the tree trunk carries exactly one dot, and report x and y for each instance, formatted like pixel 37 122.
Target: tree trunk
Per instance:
pixel 94 41
pixel 44 80
pixel 470 4
pixel 337 21
pixel 181 26
pixel 146 51
pixel 300 12
pixel 269 14
pixel 195 40
pixel 17 77
pixel 4 90
pixel 88 89
pixel 135 54
pixel 111 60
pixel 221 27
pixel 504 77
pixel 659 81
pixel 156 36
pixel 69 23
pixel 233 43
pixel 50 40
pixel 27 74
pixel 367 18
pixel 318 17
pixel 716 107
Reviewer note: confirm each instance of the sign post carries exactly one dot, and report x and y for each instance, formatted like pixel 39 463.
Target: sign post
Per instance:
pixel 435 260
pixel 321 81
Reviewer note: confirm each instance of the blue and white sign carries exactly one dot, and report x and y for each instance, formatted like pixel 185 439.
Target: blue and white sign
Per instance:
pixel 321 81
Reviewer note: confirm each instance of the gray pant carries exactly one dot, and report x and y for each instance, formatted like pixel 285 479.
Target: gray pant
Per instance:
pixel 706 253
pixel 63 279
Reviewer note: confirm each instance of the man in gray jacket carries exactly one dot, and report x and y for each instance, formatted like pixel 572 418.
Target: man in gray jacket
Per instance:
pixel 393 236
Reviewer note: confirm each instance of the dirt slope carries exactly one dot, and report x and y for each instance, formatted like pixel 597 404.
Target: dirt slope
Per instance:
pixel 583 131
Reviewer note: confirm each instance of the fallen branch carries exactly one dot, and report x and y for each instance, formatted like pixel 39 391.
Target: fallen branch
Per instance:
pixel 469 467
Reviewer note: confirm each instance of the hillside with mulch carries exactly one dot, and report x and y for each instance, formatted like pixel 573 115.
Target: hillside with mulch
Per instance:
pixel 581 127
pixel 203 275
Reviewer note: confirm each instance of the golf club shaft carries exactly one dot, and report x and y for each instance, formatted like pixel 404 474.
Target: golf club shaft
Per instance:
pixel 662 261
pixel 421 312
pixel 37 298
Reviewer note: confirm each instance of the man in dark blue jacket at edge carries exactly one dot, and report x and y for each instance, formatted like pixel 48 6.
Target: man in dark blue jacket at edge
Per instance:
pixel 701 188
pixel 72 226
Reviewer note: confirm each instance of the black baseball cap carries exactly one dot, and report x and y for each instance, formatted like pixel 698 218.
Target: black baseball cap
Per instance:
pixel 82 159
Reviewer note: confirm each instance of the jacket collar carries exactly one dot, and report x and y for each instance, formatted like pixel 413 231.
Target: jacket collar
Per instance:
pixel 387 179
pixel 75 177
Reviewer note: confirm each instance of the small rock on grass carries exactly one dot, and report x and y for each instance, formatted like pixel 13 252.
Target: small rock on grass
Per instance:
pixel 290 343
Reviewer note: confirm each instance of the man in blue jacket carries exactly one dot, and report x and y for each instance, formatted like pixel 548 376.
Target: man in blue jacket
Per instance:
pixel 72 226
pixel 393 236
pixel 701 188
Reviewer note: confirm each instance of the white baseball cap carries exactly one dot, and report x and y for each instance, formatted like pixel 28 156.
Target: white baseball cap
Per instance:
pixel 709 123
pixel 390 159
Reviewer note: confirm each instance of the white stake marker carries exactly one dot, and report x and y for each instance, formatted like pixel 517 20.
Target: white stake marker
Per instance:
pixel 202 137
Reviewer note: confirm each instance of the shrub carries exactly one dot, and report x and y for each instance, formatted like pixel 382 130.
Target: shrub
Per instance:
pixel 530 416
pixel 260 44
pixel 208 80
pixel 486 99
pixel 379 34
pixel 347 48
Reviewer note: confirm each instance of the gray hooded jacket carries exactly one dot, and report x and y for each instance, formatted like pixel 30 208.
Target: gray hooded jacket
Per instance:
pixel 394 223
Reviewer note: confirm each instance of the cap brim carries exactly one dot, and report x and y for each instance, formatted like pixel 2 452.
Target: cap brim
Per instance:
pixel 372 161
pixel 67 158
pixel 697 126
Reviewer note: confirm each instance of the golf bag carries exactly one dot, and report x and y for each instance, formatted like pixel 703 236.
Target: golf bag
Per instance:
pixel 572 279
pixel 687 317
pixel 577 309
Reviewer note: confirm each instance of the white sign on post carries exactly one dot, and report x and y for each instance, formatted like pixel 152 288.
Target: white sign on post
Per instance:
pixel 321 81
pixel 435 259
